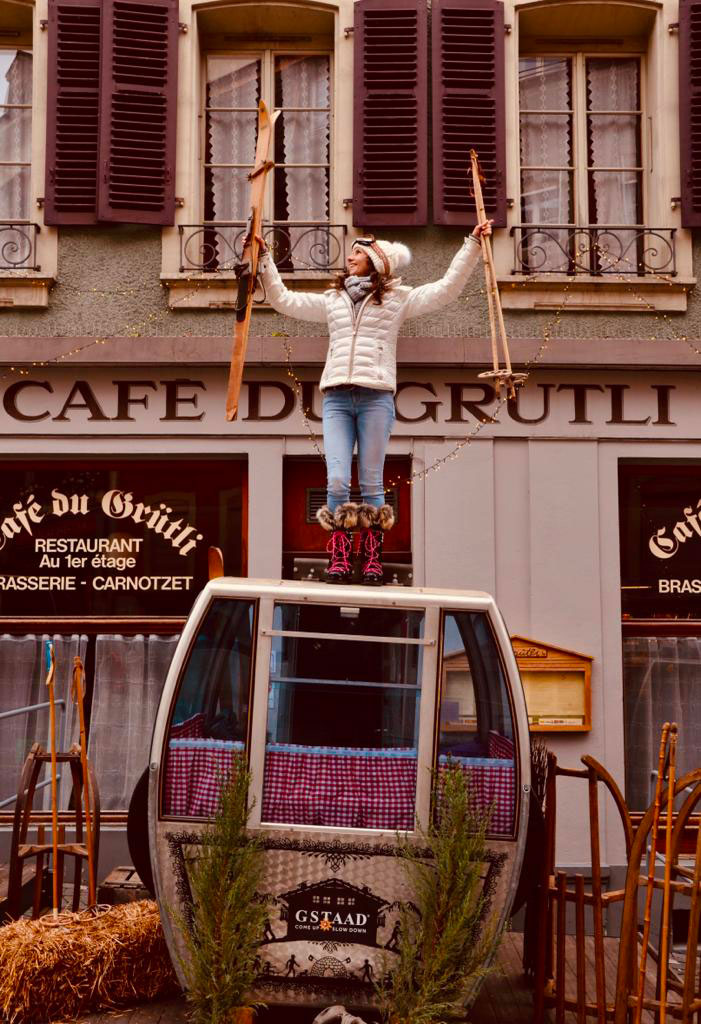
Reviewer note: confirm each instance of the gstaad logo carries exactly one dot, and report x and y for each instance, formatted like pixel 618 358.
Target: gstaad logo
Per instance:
pixel 318 916
pixel 664 546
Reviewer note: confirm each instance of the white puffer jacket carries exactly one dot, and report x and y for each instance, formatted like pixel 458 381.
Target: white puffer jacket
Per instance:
pixel 363 340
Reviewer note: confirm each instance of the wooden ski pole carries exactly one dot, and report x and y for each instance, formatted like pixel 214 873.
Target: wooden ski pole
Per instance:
pixel 505 377
pixel 489 283
pixel 78 696
pixel 661 758
pixel 666 888
pixel 54 789
pixel 493 301
pixel 248 268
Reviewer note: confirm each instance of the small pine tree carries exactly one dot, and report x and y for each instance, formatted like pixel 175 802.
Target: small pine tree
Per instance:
pixel 443 947
pixel 228 915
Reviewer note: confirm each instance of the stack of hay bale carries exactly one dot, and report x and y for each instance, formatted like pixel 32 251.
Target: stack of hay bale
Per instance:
pixel 64 967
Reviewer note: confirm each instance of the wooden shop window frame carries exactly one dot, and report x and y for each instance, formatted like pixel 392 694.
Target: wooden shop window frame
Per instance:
pixel 28 287
pixel 536 662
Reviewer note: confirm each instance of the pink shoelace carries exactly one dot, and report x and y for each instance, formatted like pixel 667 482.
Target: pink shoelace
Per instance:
pixel 372 548
pixel 339 547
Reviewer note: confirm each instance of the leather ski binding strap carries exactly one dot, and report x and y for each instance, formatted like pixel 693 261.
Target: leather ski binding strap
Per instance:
pixel 243 276
pixel 261 169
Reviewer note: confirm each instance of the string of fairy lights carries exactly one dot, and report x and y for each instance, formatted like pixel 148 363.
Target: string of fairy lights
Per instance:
pixel 135 330
pixel 501 400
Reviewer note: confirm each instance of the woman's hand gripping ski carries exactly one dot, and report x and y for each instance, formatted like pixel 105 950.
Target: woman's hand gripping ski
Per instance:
pixel 482 230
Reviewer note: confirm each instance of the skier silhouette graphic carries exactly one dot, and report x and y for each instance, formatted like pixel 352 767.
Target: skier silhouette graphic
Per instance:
pixel 367 972
pixel 392 943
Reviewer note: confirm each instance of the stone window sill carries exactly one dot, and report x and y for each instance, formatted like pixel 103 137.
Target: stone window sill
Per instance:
pixel 596 294
pixel 218 291
pixel 25 289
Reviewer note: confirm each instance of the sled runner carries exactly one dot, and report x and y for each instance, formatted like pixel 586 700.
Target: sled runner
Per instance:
pixel 342 701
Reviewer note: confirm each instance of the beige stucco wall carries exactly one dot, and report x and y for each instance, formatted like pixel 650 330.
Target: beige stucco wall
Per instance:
pixel 108 285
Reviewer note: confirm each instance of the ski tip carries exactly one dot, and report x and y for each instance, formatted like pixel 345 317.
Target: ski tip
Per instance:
pixel 231 411
pixel 264 116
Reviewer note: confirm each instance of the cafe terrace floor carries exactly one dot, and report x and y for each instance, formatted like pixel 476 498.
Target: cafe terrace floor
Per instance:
pixel 505 997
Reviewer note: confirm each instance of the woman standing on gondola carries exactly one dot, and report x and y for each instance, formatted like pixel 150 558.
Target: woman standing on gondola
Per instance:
pixel 364 312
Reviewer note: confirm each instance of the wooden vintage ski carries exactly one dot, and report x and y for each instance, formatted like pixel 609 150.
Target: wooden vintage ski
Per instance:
pixel 246 270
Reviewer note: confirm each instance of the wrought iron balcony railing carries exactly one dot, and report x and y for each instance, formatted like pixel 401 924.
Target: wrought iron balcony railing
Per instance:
pixel 18 245
pixel 593 249
pixel 296 248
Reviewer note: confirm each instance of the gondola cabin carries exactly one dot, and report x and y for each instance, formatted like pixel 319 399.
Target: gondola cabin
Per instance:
pixel 344 701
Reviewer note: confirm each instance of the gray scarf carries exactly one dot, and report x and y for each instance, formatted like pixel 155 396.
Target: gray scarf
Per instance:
pixel 358 287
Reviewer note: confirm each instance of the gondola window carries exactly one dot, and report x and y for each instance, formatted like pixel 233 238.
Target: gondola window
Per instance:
pixel 343 717
pixel 209 726
pixel 475 725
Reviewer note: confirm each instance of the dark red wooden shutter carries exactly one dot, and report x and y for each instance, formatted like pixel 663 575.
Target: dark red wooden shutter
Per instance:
pixel 390 137
pixel 136 182
pixel 73 102
pixel 468 108
pixel 690 110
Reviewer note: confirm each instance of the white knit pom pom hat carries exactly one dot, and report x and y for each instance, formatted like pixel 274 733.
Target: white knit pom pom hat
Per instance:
pixel 386 257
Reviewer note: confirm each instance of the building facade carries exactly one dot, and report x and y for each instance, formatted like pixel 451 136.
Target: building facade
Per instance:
pixel 123 204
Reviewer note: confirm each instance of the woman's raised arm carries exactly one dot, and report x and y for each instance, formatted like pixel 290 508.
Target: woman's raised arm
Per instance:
pixel 301 305
pixel 427 298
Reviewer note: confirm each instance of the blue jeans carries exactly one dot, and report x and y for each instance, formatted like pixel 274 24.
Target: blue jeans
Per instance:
pixel 366 416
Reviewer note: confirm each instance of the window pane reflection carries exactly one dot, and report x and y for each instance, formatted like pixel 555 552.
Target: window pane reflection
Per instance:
pixel 343 717
pixel 475 726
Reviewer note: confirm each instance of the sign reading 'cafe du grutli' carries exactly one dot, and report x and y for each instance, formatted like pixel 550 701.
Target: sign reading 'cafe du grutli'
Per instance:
pixel 71 544
pixel 660 516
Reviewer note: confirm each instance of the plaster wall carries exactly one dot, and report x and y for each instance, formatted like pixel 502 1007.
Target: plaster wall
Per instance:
pixel 535 521
pixel 108 286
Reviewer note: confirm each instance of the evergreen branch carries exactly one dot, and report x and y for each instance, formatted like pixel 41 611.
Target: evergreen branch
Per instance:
pixel 442 948
pixel 229 912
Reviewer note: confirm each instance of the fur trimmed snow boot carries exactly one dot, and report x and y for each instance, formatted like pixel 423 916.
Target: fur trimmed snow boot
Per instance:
pixel 374 522
pixel 340 543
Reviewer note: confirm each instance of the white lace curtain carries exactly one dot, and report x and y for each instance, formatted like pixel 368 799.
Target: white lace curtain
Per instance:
pixel 15 136
pixel 305 140
pixel 549 155
pixel 661 683
pixel 303 82
pixel 129 675
pixel 22 684
pixel 613 86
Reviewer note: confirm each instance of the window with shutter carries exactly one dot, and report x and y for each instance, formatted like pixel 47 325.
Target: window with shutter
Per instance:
pixel 690 110
pixel 594 204
pixel 468 108
pixel 72 112
pixel 390 137
pixel 15 146
pixel 579 189
pixel 138 100
pixel 297 200
pixel 111 111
